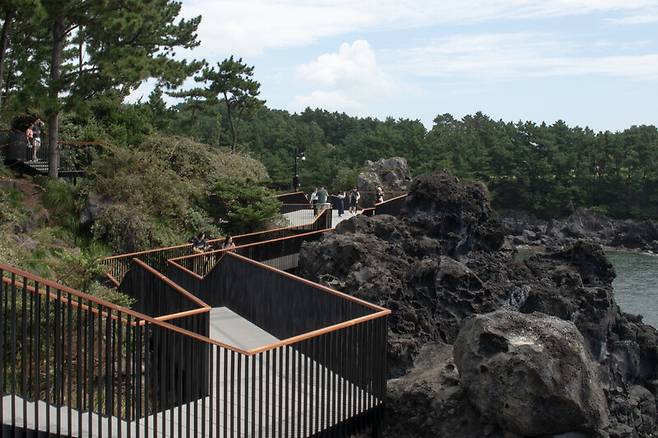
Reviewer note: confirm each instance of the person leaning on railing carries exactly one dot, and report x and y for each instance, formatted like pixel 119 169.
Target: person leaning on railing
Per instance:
pixel 228 244
pixel 199 243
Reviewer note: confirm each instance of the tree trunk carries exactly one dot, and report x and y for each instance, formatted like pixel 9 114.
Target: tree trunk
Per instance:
pixel 234 133
pixel 4 43
pixel 53 118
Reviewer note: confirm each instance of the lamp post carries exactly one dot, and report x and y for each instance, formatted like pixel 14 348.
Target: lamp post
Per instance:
pixel 299 155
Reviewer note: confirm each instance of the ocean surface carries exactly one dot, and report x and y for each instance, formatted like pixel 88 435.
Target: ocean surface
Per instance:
pixel 636 285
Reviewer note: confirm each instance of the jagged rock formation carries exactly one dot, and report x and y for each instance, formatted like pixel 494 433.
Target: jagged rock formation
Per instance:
pixel 444 260
pixel 526 229
pixel 391 174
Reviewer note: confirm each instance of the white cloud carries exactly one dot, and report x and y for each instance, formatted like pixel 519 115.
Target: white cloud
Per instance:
pixel 247 27
pixel 348 80
pixel 517 55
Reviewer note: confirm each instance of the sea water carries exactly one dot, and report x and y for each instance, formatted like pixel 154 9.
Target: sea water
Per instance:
pixel 636 285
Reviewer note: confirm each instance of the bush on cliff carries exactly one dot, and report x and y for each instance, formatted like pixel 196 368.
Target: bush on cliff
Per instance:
pixel 157 193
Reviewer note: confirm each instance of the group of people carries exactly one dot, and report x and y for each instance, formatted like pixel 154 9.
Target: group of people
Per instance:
pixel 200 243
pixel 33 134
pixel 341 199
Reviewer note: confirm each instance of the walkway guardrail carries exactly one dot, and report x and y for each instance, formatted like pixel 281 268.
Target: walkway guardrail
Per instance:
pixel 117 266
pixel 76 365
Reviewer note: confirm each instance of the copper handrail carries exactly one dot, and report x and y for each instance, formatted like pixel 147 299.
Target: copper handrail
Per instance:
pixel 175 286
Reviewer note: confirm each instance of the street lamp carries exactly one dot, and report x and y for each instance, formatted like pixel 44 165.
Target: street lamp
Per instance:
pixel 299 155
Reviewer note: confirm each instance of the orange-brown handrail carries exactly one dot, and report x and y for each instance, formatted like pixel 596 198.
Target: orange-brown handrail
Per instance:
pixel 381 312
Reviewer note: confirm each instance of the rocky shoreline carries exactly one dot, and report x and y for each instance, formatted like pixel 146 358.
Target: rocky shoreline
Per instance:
pixel 482 344
pixel 524 229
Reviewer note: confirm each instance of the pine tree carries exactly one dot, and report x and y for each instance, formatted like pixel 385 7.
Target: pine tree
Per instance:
pixel 233 82
pixel 100 46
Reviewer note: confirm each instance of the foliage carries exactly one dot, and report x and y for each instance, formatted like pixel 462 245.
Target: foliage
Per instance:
pixel 97 49
pixel 242 207
pixel 157 191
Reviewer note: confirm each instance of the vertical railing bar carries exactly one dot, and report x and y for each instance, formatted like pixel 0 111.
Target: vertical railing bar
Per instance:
pixel 232 404
pixel 300 387
pixel 268 370
pixel 146 345
pixel 286 395
pixel 69 363
pixel 119 360
pixel 139 366
pixel 79 362
pixel 91 322
pixel 3 328
pixel 308 394
pixel 253 395
pixel 155 361
pixel 323 386
pixel 109 370
pixel 162 390
pixel 331 375
pixel 238 407
pixel 13 352
pixel 37 354
pixel 205 381
pixel 24 352
pixel 247 359
pixel 172 399
pixel 194 387
pixel 185 360
pixel 226 393
pixel 281 368
pixel 217 351
pixel 30 390
pixel 292 369
pixel 180 398
pixel 129 374
pixel 58 358
pixel 316 372
pixel 101 394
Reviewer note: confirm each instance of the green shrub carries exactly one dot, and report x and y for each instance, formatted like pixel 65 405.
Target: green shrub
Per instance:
pixel 127 229
pixel 242 207
pixel 197 161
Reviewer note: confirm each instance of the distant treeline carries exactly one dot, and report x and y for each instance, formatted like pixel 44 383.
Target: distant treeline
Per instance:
pixel 547 169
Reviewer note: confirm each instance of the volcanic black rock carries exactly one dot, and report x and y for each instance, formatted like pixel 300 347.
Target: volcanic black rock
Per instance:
pixel 531 374
pixel 443 260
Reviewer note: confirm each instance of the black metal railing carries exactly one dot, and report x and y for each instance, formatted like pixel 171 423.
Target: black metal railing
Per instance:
pixel 391 206
pixel 118 266
pixel 281 253
pixel 77 366
pixel 293 198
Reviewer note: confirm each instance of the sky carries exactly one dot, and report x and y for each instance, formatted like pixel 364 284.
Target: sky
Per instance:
pixel 588 62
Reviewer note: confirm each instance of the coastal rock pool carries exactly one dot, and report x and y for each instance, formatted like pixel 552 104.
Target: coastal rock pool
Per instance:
pixel 636 285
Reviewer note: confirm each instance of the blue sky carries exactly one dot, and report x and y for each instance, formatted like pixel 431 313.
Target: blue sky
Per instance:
pixel 588 62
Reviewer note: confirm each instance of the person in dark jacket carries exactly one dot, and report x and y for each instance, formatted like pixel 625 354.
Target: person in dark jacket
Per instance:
pixel 354 200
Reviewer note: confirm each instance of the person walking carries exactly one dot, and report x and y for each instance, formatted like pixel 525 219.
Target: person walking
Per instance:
pixel 313 199
pixel 322 200
pixel 340 203
pixel 354 200
pixel 322 196
pixel 37 129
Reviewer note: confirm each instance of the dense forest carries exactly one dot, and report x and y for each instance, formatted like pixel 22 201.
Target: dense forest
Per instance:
pixel 545 168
